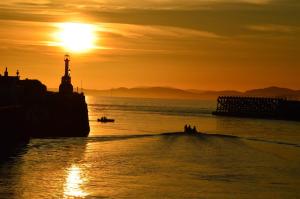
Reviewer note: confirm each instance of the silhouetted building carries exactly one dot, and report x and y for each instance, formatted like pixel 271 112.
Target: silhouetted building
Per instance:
pixel 28 109
pixel 66 86
pixel 8 88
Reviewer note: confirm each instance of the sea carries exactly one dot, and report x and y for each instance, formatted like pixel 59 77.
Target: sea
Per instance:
pixel 144 154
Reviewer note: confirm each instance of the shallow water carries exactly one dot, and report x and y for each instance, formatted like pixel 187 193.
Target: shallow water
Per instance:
pixel 134 158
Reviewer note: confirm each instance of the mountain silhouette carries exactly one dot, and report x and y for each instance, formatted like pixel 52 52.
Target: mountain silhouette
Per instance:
pixel 174 93
pixel 273 91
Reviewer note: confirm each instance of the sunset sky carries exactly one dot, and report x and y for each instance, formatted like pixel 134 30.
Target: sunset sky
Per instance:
pixel 188 44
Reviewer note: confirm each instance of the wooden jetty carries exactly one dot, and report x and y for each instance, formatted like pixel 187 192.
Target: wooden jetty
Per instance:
pixel 258 107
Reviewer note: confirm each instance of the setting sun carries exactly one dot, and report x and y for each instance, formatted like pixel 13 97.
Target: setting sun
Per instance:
pixel 76 37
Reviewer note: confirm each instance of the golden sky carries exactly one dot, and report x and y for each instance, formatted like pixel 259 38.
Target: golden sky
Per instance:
pixel 189 44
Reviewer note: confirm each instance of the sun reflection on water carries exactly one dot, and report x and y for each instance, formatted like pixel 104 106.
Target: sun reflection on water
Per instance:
pixel 74 183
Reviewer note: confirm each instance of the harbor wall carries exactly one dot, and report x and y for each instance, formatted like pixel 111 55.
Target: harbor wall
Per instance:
pixel 53 115
pixel 58 115
pixel 258 107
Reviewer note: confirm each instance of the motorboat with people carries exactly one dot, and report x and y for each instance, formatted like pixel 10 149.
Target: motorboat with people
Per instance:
pixel 105 119
pixel 189 130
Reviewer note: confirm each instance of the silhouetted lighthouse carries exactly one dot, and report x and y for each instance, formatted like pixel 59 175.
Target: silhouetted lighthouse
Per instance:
pixel 66 86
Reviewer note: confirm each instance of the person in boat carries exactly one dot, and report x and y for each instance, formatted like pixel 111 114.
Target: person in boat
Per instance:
pixel 194 130
pixel 185 128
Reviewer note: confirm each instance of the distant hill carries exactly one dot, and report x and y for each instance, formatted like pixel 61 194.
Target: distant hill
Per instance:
pixel 166 92
pixel 146 92
pixel 274 92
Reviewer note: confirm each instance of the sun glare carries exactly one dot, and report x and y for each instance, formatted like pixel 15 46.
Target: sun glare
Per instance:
pixel 76 37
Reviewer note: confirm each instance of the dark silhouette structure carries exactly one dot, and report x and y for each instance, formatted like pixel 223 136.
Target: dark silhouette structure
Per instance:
pixel 258 107
pixel 27 109
pixel 66 86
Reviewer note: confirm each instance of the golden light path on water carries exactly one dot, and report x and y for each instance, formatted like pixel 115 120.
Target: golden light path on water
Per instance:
pixel 74 183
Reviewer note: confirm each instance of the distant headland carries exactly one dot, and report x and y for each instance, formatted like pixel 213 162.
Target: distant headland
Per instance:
pixel 174 93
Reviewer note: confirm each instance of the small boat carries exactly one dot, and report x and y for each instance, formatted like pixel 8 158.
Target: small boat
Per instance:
pixel 105 120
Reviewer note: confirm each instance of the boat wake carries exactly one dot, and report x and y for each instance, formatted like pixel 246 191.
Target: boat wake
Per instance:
pixel 202 136
pixel 273 142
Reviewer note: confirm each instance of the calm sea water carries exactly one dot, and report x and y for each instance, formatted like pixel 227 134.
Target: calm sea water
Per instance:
pixel 134 158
